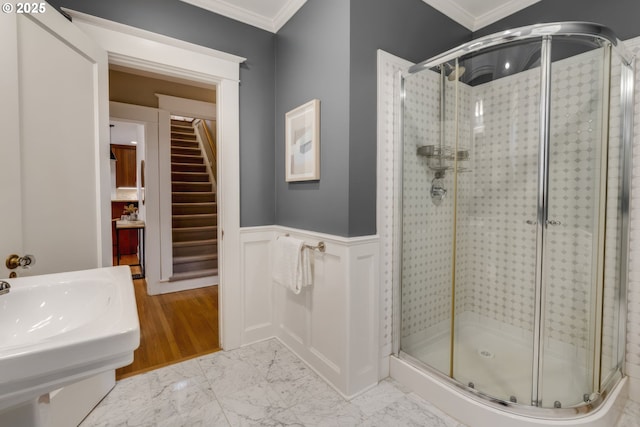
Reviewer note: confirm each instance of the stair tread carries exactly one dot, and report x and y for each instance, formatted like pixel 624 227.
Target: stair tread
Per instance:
pixel 192 183
pixel 194 258
pixel 181 164
pixel 192 173
pixel 184 155
pixel 196 204
pixel 198 228
pixel 194 274
pixel 187 216
pixel 194 149
pixel 195 243
pixel 190 141
pixel 192 192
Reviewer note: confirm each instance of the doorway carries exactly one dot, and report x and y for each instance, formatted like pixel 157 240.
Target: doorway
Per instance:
pixel 177 303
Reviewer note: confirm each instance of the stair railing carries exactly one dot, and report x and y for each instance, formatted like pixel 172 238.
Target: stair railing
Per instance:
pixel 202 131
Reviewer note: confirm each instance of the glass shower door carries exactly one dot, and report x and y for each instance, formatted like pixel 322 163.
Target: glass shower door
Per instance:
pixel 427 223
pixel 496 228
pixel 573 266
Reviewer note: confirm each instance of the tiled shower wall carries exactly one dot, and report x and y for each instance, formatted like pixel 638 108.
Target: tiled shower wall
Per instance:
pixel 426 228
pixel 633 315
pixel 495 245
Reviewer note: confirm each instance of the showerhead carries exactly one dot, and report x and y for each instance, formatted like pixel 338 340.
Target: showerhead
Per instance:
pixel 454 73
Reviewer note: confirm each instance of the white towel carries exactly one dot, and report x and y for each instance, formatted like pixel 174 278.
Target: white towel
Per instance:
pixel 291 264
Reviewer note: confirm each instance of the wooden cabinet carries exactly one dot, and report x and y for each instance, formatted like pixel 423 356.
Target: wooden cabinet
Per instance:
pixel 128 238
pixel 125 165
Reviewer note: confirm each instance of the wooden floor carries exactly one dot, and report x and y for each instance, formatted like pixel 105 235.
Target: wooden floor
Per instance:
pixel 173 327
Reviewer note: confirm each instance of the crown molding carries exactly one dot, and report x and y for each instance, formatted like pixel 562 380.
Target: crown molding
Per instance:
pixel 241 14
pixel 287 13
pixel 454 10
pixel 501 11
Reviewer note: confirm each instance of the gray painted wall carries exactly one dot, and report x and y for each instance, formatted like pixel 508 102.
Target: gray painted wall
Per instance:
pixel 312 61
pixel 619 15
pixel 411 30
pixel 185 22
pixel 328 51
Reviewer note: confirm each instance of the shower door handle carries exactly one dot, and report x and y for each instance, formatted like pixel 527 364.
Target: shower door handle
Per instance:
pixel 531 222
pixel 553 222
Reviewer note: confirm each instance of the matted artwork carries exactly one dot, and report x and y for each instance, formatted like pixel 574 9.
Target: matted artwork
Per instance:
pixel 302 144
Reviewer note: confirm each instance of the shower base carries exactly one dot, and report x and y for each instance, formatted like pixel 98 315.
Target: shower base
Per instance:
pixel 476 412
pixel 497 360
pixel 498 363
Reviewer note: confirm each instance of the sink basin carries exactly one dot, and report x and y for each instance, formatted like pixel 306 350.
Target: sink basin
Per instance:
pixel 58 329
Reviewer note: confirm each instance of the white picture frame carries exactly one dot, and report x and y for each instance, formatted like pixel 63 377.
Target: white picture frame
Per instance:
pixel 302 142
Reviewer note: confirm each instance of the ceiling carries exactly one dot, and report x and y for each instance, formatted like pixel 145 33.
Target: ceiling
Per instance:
pixel 271 15
pixel 125 133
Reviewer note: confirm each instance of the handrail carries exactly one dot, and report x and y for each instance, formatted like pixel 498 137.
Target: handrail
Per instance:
pixel 213 162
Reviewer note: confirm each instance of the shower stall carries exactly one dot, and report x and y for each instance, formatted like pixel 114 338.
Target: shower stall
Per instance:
pixel 516 152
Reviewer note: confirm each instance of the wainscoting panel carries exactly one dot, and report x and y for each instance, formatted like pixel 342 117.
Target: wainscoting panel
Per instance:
pixel 328 309
pixel 333 324
pixel 255 275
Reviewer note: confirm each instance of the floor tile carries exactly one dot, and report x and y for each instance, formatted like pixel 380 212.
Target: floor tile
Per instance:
pixel 227 373
pixel 252 406
pixel 265 384
pixel 379 397
pixel 329 412
pixel 407 411
pixel 209 415
pixel 128 404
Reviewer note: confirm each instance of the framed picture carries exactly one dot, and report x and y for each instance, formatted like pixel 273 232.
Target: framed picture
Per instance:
pixel 302 142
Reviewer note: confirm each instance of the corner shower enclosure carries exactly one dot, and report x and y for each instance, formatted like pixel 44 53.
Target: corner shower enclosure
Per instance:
pixel 515 191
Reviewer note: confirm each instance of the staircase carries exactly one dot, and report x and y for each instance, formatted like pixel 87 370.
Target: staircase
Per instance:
pixel 194 208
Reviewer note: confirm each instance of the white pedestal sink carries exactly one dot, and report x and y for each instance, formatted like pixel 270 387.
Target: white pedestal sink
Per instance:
pixel 58 329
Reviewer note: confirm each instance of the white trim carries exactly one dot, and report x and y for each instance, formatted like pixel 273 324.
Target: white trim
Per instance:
pixel 345 241
pixel 228 137
pixel 187 107
pixel 185 59
pixel 136 48
pixel 387 202
pixel 286 13
pixel 454 11
pixel 462 16
pixel 133 32
pixel 500 12
pixel 271 24
pixel 164 181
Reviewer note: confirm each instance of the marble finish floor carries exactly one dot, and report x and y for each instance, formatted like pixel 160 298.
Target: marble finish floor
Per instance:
pixel 264 384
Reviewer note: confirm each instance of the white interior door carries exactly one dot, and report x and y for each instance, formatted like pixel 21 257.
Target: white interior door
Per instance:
pixel 54 145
